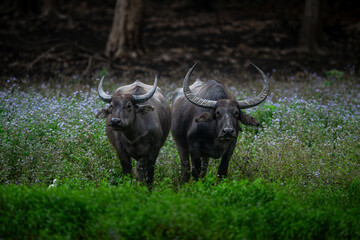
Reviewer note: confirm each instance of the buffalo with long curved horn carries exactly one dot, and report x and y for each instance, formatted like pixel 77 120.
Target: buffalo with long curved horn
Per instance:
pixel 205 123
pixel 138 122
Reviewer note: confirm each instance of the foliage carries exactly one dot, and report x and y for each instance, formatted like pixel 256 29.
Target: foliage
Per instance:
pixel 201 210
pixel 50 134
pixel 337 74
pixel 47 137
pixel 297 176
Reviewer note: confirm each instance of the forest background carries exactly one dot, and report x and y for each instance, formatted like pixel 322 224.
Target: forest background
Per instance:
pixel 76 38
pixel 297 176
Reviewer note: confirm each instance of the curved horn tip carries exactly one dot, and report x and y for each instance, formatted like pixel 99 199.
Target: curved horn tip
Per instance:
pixel 193 98
pixel 253 64
pixel 103 96
pixel 144 97
pixel 257 68
pixel 252 102
pixel 194 64
pixel 187 77
pixel 101 81
pixel 156 80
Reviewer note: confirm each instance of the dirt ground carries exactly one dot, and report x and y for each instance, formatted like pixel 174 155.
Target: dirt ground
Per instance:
pixel 223 38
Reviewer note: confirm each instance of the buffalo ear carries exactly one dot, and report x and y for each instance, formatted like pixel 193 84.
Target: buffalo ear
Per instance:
pixel 204 117
pixel 248 120
pixel 103 113
pixel 143 109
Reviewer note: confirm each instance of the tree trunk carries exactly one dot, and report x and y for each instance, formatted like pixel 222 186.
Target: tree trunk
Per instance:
pixel 126 38
pixel 311 30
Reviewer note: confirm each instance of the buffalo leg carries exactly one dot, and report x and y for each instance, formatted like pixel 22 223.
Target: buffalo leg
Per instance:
pixel 150 173
pixel 185 164
pixel 150 170
pixel 204 166
pixel 195 166
pixel 145 170
pixel 195 160
pixel 125 161
pixel 141 167
pixel 224 164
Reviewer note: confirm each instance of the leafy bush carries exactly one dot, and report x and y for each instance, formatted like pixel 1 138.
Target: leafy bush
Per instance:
pixel 337 74
pixel 201 210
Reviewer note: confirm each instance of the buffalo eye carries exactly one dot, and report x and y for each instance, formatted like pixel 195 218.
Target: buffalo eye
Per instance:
pixel 129 106
pixel 111 107
pixel 236 112
pixel 217 113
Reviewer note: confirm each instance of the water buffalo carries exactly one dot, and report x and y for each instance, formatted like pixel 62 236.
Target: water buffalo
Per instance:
pixel 138 122
pixel 205 123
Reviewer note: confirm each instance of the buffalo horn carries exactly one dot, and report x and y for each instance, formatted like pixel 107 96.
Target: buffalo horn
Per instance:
pixel 192 97
pixel 103 96
pixel 252 102
pixel 144 97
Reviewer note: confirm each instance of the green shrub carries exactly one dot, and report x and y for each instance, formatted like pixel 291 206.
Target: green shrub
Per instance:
pixel 201 210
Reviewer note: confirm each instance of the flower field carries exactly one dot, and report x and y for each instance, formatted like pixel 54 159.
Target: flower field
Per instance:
pixel 296 176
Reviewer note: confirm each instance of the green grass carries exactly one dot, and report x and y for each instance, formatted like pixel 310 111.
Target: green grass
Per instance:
pixel 203 210
pixel 297 176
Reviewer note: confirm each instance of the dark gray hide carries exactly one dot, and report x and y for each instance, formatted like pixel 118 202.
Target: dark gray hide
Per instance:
pixel 205 123
pixel 137 124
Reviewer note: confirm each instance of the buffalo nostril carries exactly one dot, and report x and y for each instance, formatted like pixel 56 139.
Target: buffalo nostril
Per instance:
pixel 115 120
pixel 228 130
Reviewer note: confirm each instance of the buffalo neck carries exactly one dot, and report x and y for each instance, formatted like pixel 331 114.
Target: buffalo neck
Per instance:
pixel 133 139
pixel 133 134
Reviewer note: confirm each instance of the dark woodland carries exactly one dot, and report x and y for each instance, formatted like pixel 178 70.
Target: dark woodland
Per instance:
pixel 45 39
pixel 238 163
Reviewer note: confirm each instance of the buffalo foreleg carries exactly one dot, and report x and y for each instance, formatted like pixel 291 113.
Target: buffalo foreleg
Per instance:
pixel 195 164
pixel 224 164
pixel 125 161
pixel 145 169
pixel 204 166
pixel 185 164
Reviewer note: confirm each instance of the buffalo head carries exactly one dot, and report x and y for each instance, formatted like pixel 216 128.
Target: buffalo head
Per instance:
pixel 124 107
pixel 226 113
